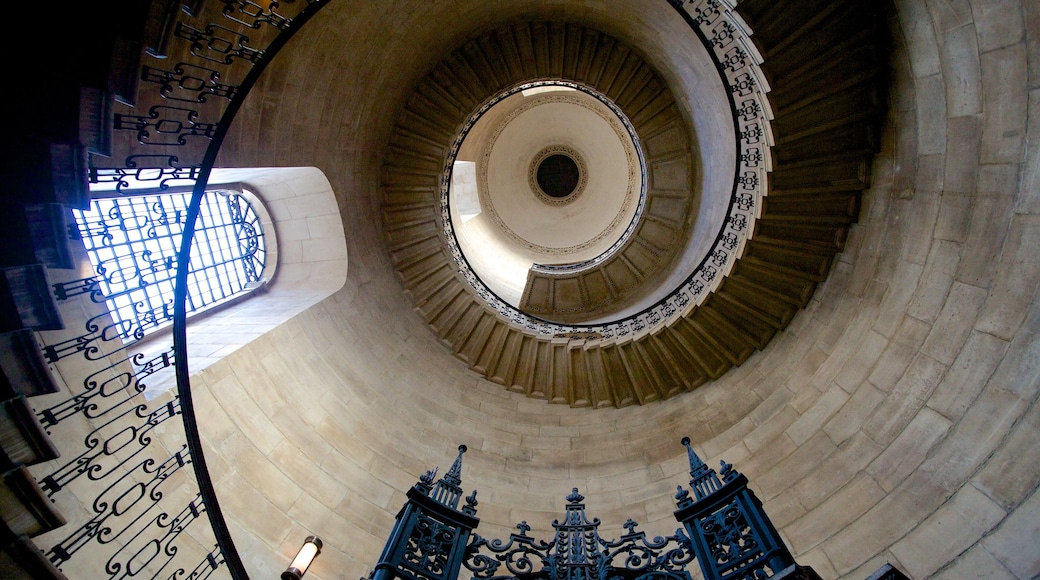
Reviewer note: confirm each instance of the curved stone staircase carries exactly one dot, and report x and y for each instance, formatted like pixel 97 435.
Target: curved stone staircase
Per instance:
pixel 61 136
pixel 504 58
pixel 827 107
pixel 44 155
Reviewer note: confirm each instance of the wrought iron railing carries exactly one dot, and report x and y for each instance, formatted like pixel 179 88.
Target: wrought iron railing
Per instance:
pixel 724 530
pixel 144 501
pixel 215 50
pixel 132 244
pixel 140 502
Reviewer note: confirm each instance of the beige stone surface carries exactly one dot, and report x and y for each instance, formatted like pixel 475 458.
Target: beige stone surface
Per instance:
pixel 1014 541
pixel 895 419
pixel 953 528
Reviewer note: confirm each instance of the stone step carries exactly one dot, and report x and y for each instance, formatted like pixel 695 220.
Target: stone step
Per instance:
pixel 793 261
pixel 423 255
pixel 668 373
pixel 622 392
pixel 448 317
pixel 827 106
pixel 23 370
pixel 503 367
pixel 23 560
pixel 812 230
pixel 432 309
pixel 23 440
pixel 835 143
pixel 463 326
pixel 470 348
pixel 24 508
pixel 836 174
pixel 753 323
pixel 735 343
pixel 26 300
pixel 492 348
pixel 775 308
pixel 646 376
pixel 697 361
pixel 426 291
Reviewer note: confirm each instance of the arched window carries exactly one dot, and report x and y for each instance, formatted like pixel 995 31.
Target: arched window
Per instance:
pixel 132 242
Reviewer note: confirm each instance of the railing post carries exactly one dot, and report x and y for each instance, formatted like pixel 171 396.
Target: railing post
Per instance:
pixel 430 536
pixel 731 534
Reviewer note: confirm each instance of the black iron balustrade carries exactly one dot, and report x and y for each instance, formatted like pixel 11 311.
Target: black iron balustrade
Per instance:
pixel 577 552
pixel 107 389
pixel 732 537
pixel 103 337
pixel 158 172
pixel 429 538
pixel 726 531
pixel 139 510
pixel 143 498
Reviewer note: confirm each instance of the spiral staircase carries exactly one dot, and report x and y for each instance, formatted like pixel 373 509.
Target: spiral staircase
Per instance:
pixel 827 105
pixel 823 61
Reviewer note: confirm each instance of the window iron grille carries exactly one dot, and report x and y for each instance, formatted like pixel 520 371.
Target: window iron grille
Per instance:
pixel 132 243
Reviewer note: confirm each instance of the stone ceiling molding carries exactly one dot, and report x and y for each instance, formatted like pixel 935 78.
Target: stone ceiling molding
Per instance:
pixel 536 163
pixel 620 126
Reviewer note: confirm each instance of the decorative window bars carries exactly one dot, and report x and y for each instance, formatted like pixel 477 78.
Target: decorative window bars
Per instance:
pixel 132 243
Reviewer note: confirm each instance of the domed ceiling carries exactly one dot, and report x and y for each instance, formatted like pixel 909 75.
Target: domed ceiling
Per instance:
pixel 651 256
pixel 557 179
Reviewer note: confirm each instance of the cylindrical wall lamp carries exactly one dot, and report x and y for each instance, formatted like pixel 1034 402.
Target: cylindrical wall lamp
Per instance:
pixel 311 548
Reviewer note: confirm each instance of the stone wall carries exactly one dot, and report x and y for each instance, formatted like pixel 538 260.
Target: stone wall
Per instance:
pixel 894 420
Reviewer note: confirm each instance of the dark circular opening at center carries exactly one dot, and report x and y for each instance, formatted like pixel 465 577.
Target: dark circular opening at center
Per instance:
pixel 558 175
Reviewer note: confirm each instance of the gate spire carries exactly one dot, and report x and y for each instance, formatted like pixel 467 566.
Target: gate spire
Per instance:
pixel 731 535
pixel 430 535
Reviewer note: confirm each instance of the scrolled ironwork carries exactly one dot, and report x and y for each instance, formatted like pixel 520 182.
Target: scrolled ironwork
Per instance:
pixel 209 564
pixel 253 15
pixel 121 508
pixel 111 445
pixel 166 125
pixel 131 242
pixel 218 44
pixel 106 389
pixel 726 531
pixel 429 546
pixel 90 285
pixel 153 171
pixel 90 343
pixel 189 83
pixel 663 555
pixel 577 552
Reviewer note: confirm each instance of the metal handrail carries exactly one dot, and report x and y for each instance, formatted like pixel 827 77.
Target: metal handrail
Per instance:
pixel 191 429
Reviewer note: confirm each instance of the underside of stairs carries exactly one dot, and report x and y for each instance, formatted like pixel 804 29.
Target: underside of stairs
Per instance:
pixel 825 62
pixel 45 149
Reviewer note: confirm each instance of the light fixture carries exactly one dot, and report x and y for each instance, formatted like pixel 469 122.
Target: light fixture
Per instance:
pixel 311 548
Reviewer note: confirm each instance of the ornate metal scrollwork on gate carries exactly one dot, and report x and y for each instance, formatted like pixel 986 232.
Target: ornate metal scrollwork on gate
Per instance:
pixel 726 531
pixel 577 552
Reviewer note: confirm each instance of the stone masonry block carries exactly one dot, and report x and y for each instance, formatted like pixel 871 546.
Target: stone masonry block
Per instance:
pixel 1014 542
pixel 952 529
pixel 909 449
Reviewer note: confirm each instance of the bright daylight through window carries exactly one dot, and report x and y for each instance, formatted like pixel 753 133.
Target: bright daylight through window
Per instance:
pixel 132 242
